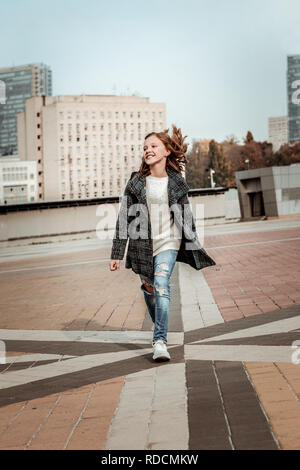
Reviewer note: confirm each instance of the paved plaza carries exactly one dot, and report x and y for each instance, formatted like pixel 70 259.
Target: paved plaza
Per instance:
pixel 77 370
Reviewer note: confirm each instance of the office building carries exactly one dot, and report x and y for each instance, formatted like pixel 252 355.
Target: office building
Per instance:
pixel 18 84
pixel 86 146
pixel 18 181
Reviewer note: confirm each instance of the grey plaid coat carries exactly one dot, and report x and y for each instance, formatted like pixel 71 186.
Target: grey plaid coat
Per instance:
pixel 140 250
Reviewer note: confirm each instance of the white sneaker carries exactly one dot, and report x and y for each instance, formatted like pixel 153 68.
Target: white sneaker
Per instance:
pixel 160 352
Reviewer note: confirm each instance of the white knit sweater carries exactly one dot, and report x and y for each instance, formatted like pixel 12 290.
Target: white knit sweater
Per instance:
pixel 165 233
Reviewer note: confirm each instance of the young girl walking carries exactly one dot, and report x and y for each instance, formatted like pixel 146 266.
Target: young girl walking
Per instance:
pixel 156 216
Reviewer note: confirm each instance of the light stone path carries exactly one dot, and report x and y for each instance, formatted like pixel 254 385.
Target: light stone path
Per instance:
pixel 152 412
pixel 198 307
pixel 129 336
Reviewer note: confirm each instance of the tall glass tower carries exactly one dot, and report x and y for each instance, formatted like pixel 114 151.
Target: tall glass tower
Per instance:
pixel 18 84
pixel 293 94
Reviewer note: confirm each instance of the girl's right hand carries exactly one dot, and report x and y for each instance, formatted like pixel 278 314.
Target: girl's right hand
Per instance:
pixel 115 265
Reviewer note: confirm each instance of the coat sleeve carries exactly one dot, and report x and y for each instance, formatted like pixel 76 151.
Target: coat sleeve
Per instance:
pixel 121 231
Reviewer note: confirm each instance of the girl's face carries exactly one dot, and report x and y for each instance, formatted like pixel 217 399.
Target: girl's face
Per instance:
pixel 154 150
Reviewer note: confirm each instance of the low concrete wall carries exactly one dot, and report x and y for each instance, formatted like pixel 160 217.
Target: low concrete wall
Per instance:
pixel 17 224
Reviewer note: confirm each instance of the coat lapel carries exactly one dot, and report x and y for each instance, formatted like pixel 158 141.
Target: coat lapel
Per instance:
pixel 177 186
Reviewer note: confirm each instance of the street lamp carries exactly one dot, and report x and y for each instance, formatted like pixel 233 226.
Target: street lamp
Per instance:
pixel 247 161
pixel 211 173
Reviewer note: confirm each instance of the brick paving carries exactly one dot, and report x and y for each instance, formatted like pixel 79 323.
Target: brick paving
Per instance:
pixel 79 360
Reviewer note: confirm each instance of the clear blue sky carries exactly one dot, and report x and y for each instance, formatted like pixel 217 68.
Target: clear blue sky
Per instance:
pixel 219 65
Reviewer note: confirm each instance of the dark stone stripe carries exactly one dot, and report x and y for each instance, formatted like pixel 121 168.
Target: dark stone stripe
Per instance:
pixel 241 324
pixel 175 321
pixel 276 339
pixel 42 388
pixel 248 425
pixel 207 425
pixel 69 348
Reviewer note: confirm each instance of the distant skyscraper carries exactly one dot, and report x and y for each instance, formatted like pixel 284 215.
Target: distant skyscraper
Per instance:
pixel 293 94
pixel 18 84
pixel 278 131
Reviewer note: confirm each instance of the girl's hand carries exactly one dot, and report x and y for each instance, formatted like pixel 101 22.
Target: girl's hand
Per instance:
pixel 115 265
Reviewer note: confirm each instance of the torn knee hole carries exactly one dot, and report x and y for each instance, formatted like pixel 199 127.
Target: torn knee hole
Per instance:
pixel 160 273
pixel 164 266
pixel 160 290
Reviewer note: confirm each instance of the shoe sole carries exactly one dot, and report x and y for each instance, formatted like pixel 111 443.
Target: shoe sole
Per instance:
pixel 161 358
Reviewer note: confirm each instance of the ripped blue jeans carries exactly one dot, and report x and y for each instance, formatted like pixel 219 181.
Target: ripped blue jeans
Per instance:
pixel 158 303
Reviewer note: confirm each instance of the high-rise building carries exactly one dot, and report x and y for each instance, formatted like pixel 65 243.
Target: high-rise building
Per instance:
pixel 86 146
pixel 18 84
pixel 278 131
pixel 293 96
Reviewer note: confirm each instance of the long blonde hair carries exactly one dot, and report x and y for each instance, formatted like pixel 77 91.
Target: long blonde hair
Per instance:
pixel 175 144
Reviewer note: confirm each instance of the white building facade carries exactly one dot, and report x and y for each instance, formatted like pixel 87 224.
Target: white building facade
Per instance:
pixel 278 131
pixel 18 181
pixel 86 146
